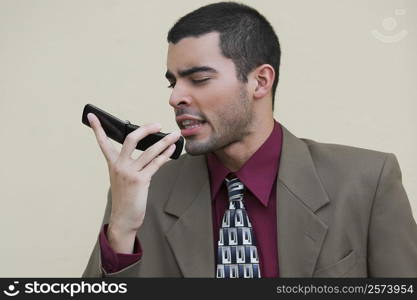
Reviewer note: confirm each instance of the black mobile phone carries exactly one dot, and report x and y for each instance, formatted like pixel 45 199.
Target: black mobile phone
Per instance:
pixel 117 130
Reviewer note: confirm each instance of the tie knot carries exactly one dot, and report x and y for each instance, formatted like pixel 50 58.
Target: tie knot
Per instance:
pixel 235 188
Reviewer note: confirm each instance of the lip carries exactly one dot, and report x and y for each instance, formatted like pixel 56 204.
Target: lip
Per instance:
pixel 192 131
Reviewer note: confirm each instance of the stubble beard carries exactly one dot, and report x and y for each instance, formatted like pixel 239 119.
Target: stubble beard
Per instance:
pixel 231 125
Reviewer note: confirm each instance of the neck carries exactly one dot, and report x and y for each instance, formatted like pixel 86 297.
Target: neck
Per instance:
pixel 235 155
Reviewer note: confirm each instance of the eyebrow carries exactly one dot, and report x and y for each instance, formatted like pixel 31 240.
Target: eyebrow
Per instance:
pixel 187 72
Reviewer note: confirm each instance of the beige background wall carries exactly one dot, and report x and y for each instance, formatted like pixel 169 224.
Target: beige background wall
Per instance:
pixel 339 83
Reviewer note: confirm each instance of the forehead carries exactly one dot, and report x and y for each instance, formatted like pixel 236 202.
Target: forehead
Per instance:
pixel 196 51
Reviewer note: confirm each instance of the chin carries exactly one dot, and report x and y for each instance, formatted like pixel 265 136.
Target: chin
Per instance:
pixel 194 147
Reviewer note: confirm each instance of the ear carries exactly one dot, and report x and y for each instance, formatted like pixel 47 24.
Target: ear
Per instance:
pixel 263 79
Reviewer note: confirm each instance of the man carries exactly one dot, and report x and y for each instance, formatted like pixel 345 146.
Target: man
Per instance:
pixel 249 199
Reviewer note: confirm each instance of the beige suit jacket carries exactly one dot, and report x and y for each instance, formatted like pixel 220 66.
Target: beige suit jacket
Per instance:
pixel 341 211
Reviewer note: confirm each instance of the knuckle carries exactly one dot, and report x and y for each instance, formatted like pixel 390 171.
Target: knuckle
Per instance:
pixel 150 128
pixel 166 141
pixel 100 139
pixel 131 137
pixel 142 179
pixel 134 180
pixel 117 169
pixel 159 160
pixel 137 134
pixel 168 138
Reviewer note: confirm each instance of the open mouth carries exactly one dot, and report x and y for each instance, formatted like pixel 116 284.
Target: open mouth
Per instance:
pixel 189 124
pixel 191 127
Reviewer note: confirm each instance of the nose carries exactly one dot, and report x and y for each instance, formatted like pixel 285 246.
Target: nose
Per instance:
pixel 179 97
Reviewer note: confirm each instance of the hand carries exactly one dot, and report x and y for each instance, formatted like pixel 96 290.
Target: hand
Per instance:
pixel 130 179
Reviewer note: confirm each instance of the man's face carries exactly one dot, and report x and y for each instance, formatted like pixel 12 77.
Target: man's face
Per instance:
pixel 211 105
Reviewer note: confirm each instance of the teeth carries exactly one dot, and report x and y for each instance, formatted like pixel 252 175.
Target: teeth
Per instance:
pixel 191 123
pixel 187 122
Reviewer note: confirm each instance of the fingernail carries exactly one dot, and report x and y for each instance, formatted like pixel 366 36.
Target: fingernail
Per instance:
pixel 89 116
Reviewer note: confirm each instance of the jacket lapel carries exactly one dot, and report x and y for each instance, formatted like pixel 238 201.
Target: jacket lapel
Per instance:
pixel 299 194
pixel 300 231
pixel 191 237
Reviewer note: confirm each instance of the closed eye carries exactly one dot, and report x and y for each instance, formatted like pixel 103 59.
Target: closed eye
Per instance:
pixel 194 81
pixel 197 81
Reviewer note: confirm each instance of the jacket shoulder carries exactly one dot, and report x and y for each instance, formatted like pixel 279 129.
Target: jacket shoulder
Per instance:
pixel 349 157
pixel 347 165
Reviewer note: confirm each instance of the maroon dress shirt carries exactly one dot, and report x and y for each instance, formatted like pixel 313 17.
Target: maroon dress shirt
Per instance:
pixel 259 175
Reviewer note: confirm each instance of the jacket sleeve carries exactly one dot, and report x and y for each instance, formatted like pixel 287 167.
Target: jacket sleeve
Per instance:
pixel 112 261
pixel 392 237
pixel 94 266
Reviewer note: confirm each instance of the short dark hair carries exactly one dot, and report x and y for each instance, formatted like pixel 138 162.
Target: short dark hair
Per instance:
pixel 246 36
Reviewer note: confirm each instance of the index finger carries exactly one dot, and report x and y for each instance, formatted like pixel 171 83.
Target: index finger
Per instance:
pixel 109 151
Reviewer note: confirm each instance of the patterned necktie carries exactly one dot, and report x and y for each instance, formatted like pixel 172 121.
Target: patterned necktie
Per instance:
pixel 237 256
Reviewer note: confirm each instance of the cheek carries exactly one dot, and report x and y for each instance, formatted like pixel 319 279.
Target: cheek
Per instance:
pixel 217 99
pixel 220 94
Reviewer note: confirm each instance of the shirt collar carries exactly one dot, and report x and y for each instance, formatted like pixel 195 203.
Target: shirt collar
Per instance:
pixel 258 173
